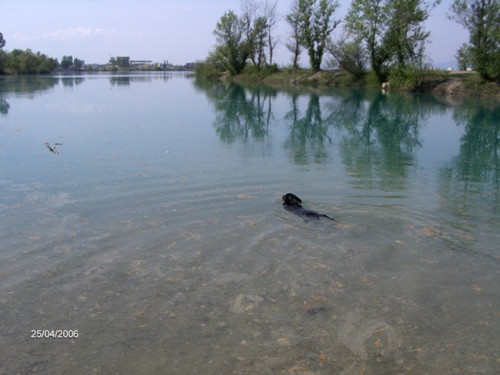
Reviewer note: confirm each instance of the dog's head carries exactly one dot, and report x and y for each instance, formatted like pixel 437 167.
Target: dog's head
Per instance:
pixel 290 199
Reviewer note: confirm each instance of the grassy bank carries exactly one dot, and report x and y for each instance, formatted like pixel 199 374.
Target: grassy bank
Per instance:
pixel 439 83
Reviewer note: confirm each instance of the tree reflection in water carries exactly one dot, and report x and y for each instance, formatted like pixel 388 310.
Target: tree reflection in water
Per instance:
pixel 308 133
pixel 473 175
pixel 377 135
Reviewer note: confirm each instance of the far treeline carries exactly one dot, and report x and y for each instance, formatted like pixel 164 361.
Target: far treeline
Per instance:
pixel 24 62
pixel 382 39
pixel 28 62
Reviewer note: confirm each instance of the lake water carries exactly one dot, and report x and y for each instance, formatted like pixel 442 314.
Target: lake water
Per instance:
pixel 157 230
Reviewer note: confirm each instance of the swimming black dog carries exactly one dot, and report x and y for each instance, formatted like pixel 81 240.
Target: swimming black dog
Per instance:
pixel 294 204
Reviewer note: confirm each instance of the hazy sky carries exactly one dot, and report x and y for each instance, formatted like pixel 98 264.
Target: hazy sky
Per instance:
pixel 179 31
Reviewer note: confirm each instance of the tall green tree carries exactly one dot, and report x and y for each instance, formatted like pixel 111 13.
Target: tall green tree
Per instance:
pixel 271 15
pixel 406 37
pixel 66 62
pixel 258 24
pixel 392 32
pixel 78 64
pixel 258 41
pixel 482 19
pixel 316 23
pixel 464 57
pixel 249 10
pixel 231 50
pixel 349 55
pixel 294 45
pixel 3 55
pixel 367 21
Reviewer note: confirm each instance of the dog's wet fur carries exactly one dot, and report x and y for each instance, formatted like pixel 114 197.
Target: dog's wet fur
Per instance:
pixel 294 204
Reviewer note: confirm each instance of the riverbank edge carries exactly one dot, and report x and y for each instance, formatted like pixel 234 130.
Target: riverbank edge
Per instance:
pixel 451 85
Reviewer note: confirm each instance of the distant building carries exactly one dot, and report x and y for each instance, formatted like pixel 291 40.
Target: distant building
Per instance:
pixel 123 61
pixel 141 62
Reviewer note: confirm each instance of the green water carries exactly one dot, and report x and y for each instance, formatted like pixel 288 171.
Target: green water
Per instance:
pixel 157 229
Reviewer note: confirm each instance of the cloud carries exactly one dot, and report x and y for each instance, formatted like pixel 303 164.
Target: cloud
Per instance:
pixel 79 32
pixel 69 34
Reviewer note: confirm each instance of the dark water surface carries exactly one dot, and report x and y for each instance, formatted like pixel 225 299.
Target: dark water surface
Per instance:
pixel 157 230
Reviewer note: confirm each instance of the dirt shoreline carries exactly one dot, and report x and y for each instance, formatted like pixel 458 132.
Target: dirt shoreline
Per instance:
pixel 452 85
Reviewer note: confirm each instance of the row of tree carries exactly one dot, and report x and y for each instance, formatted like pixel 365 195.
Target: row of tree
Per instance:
pixel 68 62
pixel 387 36
pixel 249 36
pixel 26 62
pixel 29 62
pixel 482 19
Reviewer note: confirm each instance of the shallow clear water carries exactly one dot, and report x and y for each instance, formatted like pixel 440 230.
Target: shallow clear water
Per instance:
pixel 157 231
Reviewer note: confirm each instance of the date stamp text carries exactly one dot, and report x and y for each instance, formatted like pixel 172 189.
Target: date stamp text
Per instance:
pixel 54 334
